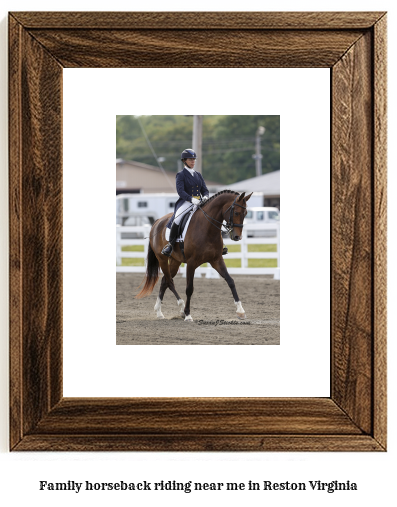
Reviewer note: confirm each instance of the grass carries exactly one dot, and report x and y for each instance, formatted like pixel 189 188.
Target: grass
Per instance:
pixel 253 248
pixel 262 248
pixel 132 248
pixel 262 263
pixel 252 263
pixel 132 262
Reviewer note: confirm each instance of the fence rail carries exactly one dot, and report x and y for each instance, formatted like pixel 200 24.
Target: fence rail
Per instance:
pixel 244 255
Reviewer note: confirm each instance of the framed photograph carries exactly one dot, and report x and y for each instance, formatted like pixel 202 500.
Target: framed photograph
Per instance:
pixel 148 177
pixel 353 46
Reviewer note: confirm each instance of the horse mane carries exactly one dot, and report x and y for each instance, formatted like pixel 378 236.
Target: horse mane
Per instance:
pixel 219 193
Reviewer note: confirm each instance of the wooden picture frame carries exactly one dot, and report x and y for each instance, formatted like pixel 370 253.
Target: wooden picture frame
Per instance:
pixel 353 46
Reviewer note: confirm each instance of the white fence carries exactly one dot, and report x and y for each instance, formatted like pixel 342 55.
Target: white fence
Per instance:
pixel 244 255
pixel 133 230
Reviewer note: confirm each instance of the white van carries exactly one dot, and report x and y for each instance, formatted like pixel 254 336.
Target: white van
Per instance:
pixel 261 215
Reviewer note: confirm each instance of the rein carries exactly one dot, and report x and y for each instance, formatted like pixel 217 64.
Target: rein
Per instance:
pixel 230 224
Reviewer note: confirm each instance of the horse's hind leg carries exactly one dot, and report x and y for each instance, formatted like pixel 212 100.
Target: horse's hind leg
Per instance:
pixel 157 306
pixel 163 287
pixel 167 281
pixel 220 266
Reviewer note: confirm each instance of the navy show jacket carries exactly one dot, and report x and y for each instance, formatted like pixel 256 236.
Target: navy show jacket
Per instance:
pixel 188 186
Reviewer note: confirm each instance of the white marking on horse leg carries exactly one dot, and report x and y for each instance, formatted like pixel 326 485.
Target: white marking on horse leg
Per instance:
pixel 188 318
pixel 157 309
pixel 240 310
pixel 181 303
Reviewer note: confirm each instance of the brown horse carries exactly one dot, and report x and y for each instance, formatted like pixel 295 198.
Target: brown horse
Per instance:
pixel 203 243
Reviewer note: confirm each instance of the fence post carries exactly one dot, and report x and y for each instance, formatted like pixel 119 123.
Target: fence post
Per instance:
pixel 211 272
pixel 146 234
pixel 277 271
pixel 244 249
pixel 118 246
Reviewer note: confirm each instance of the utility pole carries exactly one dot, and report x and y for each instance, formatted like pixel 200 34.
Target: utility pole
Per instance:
pixel 258 155
pixel 198 140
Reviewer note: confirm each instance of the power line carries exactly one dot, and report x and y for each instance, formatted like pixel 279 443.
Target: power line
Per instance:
pixel 154 153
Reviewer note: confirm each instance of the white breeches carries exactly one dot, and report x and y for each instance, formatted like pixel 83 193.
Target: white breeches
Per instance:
pixel 186 206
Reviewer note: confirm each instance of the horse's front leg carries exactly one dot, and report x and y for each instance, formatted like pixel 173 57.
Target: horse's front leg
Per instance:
pixel 220 266
pixel 189 290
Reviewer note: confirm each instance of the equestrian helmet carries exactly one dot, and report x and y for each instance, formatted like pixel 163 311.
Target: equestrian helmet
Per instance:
pixel 189 153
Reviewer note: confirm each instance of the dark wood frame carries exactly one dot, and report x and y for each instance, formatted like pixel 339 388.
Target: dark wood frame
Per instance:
pixel 353 46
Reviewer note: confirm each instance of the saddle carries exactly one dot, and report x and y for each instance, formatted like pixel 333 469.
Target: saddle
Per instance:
pixel 182 224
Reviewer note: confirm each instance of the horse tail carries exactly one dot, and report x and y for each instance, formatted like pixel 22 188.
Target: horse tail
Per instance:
pixel 151 276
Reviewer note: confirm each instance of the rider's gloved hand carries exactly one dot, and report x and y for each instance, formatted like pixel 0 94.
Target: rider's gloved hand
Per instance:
pixel 195 201
pixel 204 198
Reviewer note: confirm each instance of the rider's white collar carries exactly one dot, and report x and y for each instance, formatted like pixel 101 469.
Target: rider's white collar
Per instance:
pixel 192 171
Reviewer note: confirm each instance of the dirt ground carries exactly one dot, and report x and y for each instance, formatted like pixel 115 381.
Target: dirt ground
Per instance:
pixel 212 308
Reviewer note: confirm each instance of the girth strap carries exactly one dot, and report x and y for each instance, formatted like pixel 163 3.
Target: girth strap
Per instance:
pixel 182 247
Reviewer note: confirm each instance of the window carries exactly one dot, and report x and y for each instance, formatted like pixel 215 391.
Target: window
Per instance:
pixel 259 215
pixel 171 205
pixel 274 215
pixel 249 214
pixel 142 204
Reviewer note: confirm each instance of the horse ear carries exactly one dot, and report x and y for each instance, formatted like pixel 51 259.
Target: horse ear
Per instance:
pixel 248 196
pixel 241 196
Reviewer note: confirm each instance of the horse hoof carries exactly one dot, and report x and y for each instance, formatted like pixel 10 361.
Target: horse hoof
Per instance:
pixel 188 318
pixel 241 316
pixel 160 316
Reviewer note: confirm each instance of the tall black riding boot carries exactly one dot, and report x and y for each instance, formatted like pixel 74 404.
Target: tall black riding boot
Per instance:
pixel 167 250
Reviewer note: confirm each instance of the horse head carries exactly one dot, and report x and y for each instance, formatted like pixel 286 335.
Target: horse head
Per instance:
pixel 237 213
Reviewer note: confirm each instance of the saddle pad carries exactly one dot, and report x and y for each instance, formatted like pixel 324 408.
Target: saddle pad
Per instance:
pixel 182 237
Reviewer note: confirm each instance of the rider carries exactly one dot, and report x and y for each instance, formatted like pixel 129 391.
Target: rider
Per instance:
pixel 190 186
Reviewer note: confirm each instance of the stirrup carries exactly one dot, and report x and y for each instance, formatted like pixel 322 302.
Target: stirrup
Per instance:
pixel 167 250
pixel 225 251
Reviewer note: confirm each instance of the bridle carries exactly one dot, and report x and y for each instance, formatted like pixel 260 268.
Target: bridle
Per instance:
pixel 230 224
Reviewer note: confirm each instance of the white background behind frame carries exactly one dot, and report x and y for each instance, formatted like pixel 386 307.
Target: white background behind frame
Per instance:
pixel 93 364
pixel 372 471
